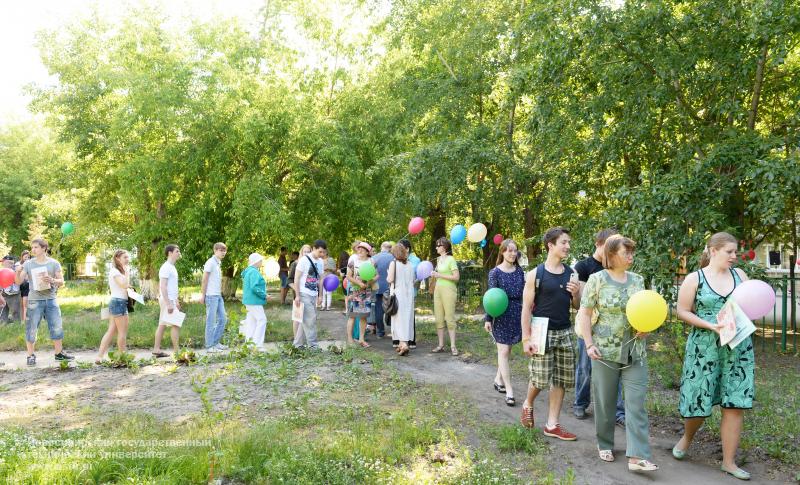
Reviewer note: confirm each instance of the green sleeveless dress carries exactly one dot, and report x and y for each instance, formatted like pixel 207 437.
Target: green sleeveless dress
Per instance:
pixel 714 374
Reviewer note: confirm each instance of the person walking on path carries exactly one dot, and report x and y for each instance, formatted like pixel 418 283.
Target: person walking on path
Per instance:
pixel 506 329
pixel 254 297
pixel 401 279
pixel 308 280
pixel 283 274
pixel 168 299
pixel 304 250
pixel 618 354
pixel 445 293
pixel 330 269
pixel 45 276
pixel 211 295
pixel 583 371
pixel 714 374
pixel 361 295
pixel 382 261
pixel 25 287
pixel 118 284
pixel 549 292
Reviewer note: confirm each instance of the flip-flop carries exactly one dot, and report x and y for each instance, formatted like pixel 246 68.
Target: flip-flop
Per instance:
pixel 499 388
pixel 364 344
pixel 642 466
pixel 160 354
pixel 437 349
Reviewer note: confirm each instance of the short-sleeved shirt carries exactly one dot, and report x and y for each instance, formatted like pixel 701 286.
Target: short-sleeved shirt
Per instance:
pixel 117 291
pixel 330 265
pixel 612 334
pixel 446 266
pixel 309 277
pixel 214 270
pixel 382 261
pixel 170 273
pixel 284 267
pixel 587 267
pixel 33 268
pixel 553 300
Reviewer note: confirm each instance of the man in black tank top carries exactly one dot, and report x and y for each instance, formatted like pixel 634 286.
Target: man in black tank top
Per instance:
pixel 549 292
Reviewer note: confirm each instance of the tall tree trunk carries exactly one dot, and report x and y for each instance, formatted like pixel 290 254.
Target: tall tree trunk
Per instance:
pixel 438 220
pixel 757 84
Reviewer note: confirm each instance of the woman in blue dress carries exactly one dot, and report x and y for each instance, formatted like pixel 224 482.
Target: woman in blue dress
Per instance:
pixel 506 329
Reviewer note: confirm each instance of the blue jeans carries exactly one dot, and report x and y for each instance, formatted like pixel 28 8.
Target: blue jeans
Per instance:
pixel 49 310
pixel 583 383
pixel 379 315
pixel 215 319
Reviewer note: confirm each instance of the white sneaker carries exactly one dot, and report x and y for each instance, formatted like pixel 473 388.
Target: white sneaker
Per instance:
pixel 213 350
pixel 221 347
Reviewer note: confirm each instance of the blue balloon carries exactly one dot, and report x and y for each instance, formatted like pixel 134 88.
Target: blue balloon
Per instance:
pixel 457 234
pixel 414 260
pixel 483 243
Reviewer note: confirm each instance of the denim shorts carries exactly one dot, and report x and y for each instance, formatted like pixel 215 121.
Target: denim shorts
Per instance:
pixel 118 307
pixel 284 280
pixel 47 309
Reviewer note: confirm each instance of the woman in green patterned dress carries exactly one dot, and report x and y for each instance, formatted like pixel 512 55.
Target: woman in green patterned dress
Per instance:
pixel 714 374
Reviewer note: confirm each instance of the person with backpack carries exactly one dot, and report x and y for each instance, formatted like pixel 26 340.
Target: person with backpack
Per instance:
pixel 550 290
pixel 308 282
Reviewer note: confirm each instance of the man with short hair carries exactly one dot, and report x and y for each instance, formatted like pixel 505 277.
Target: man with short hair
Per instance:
pixel 548 294
pixel 45 277
pixel 283 273
pixel 308 286
pixel 211 295
pixel 583 371
pixel 292 265
pixel 382 260
pixel 168 299
pixel 11 311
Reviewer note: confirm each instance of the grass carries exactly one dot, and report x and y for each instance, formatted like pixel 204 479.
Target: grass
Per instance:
pixel 83 329
pixel 380 428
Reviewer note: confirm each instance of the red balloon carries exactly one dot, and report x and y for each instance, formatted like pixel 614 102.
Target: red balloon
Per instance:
pixel 498 238
pixel 751 255
pixel 416 225
pixel 798 261
pixel 7 277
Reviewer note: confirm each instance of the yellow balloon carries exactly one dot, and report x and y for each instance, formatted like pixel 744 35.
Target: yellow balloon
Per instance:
pixel 271 268
pixel 646 310
pixel 476 232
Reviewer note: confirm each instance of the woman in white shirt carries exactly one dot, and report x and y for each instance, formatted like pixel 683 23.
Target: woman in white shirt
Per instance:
pixel 118 283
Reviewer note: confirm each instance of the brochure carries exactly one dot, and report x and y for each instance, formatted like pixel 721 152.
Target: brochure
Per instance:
pixel 104 313
pixel 135 296
pixel 38 275
pixel 539 334
pixel 736 326
pixel 175 318
pixel 297 312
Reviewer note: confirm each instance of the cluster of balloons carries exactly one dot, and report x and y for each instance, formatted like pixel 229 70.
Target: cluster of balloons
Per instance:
pixel 476 234
pixel 7 277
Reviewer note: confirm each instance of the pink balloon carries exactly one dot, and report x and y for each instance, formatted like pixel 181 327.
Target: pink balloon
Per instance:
pixel 755 297
pixel 7 277
pixel 498 238
pixel 416 225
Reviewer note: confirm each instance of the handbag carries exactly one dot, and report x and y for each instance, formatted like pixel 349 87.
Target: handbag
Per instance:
pixel 389 298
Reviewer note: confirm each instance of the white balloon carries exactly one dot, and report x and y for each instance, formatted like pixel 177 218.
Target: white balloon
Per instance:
pixel 272 268
pixel 476 232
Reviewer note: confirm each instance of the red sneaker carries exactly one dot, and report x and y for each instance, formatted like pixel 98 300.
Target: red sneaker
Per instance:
pixel 527 416
pixel 558 432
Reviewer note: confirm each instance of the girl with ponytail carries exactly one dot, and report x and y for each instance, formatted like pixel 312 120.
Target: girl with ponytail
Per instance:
pixel 714 374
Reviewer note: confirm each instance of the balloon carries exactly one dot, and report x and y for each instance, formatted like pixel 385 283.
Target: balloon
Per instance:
pixel 457 234
pixel 67 228
pixel 331 282
pixel 416 225
pixel 483 243
pixel 7 277
pixel 495 302
pixel 272 268
pixel 476 232
pixel 755 297
pixel 798 261
pixel 498 238
pixel 751 255
pixel 646 310
pixel 367 271
pixel 424 270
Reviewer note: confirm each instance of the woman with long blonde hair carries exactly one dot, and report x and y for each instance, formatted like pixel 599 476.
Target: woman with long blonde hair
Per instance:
pixel 118 283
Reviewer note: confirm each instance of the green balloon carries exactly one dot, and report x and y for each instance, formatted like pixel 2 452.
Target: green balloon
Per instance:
pixel 67 228
pixel 367 271
pixel 495 302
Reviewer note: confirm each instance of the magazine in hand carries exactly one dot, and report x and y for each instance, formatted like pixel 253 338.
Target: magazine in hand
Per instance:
pixel 175 318
pixel 736 326
pixel 38 275
pixel 135 296
pixel 297 312
pixel 539 334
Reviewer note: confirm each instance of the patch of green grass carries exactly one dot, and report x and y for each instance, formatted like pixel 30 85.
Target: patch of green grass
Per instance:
pixel 515 438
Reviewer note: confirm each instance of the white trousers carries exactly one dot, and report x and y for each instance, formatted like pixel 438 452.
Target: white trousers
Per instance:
pixel 254 325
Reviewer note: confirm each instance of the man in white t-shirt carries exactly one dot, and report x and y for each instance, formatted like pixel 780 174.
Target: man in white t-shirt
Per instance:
pixel 308 280
pixel 168 299
pixel 211 295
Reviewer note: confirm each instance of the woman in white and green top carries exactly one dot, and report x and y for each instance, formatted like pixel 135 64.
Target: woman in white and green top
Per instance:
pixel 617 351
pixel 444 295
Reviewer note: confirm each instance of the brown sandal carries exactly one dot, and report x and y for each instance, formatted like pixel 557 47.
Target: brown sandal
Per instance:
pixel 437 349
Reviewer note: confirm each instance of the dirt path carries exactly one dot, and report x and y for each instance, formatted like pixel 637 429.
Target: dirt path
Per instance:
pixel 475 380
